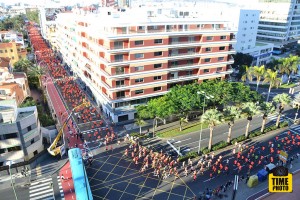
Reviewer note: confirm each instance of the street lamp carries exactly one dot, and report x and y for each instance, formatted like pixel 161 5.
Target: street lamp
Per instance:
pixel 205 96
pixel 12 184
pixel 296 114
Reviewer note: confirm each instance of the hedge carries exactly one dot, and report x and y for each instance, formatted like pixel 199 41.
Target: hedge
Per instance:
pixel 191 154
pixel 141 136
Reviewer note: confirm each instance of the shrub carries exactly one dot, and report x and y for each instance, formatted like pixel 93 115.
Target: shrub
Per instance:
pixel 205 150
pixel 284 124
pixel 238 139
pixel 141 136
pixel 191 154
pixel 219 145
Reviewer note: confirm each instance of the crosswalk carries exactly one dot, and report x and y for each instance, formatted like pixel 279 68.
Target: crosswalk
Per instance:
pixel 296 129
pixel 42 189
pixel 274 117
pixel 60 188
pixel 44 170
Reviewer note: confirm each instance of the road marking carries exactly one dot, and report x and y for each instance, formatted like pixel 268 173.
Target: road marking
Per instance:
pixel 182 141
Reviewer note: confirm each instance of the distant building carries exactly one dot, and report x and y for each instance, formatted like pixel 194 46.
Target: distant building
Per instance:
pixel 12 50
pixel 108 3
pixel 279 23
pixel 12 36
pixel 20 135
pixel 16 10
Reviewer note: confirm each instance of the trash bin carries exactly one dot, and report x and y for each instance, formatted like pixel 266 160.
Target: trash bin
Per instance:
pixel 253 181
pixel 262 175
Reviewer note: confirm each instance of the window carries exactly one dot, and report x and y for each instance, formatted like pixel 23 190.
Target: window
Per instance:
pixel 139 55
pixel 189 72
pixel 1 51
pixel 221 48
pixel 10 136
pixel 139 91
pixel 2 151
pixel 220 58
pixel 29 128
pixel 118 57
pixel 156 89
pixel 223 37
pixel 157 66
pixel 139 80
pixel 207 60
pixel 158 41
pixel 138 42
pixel 120 83
pixel 120 94
pixel 13 57
pixel 139 68
pixel 141 27
pixel 219 69
pixel 206 70
pixel 32 141
pixel 190 62
pixel 191 39
pixel 5 51
pixel 158 53
pixel 207 49
pixel 11 50
pixel 209 38
pixel 157 77
pixel 174 40
pixel 174 63
pixel 16 148
pixel 191 50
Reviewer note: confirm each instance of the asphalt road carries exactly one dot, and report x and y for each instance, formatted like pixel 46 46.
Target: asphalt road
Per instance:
pixel 22 193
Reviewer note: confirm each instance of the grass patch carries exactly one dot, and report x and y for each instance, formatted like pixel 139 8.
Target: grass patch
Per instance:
pixel 284 86
pixel 186 129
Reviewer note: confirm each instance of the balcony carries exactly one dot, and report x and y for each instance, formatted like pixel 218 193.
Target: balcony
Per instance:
pixel 182 54
pixel 183 65
pixel 183 42
pixel 118 47
pixel 184 76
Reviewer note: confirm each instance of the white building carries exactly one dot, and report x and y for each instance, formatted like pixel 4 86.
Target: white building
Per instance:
pixel 246 38
pixel 12 36
pixel 20 135
pixel 279 23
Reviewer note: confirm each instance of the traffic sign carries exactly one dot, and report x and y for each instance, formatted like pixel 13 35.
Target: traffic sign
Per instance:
pixel 62 150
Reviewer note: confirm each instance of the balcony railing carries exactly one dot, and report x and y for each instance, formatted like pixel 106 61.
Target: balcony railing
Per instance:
pixel 183 54
pixel 183 65
pixel 183 42
pixel 119 47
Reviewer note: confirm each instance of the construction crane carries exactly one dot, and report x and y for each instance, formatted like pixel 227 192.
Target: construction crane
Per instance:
pixel 54 149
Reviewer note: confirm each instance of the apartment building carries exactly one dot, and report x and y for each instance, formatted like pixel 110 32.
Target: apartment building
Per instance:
pixel 125 61
pixel 279 23
pixel 12 50
pixel 12 36
pixel 20 135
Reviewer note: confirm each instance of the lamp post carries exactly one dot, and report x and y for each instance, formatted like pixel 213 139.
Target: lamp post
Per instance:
pixel 296 114
pixel 12 184
pixel 205 96
pixel 155 120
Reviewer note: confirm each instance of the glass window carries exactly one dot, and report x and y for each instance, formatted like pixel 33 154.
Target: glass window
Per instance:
pixel 139 80
pixel 13 57
pixel 223 37
pixel 139 68
pixel 207 49
pixel 158 41
pixel 139 91
pixel 159 53
pixel 1 51
pixel 10 136
pixel 190 62
pixel 221 48
pixel 219 69
pixel 120 83
pixel 16 148
pixel 207 60
pixel 174 63
pixel 209 37
pixel 206 70
pixel 157 65
pixel 157 77
pixel 29 128
pixel 220 58
pixel 156 89
pixel 139 55
pixel 138 42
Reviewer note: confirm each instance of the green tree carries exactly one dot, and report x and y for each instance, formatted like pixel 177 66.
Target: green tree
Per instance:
pixel 140 122
pixel 258 72
pixel 213 117
pixel 29 101
pixel 230 114
pixel 267 108
pixel 22 65
pixel 271 78
pixel 288 66
pixel 250 109
pixel 33 16
pixel 241 59
pixel 36 71
pixel 247 74
pixel 283 99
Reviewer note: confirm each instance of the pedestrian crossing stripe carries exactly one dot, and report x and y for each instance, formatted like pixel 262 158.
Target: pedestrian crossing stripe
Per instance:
pixel 62 195
pixel 42 189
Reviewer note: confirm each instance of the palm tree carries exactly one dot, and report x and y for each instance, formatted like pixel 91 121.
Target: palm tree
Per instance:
pixel 231 113
pixel 283 99
pixel 271 78
pixel 288 65
pixel 294 65
pixel 140 122
pixel 182 120
pixel 212 117
pixel 258 72
pixel 250 109
pixel 36 71
pixel 266 108
pixel 247 75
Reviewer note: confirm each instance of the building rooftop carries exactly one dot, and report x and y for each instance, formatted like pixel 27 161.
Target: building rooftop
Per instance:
pixel 22 115
pixel 8 85
pixel 6 45
pixel 4 62
pixel 19 75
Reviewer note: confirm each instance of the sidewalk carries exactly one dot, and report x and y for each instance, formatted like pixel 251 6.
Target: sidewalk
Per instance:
pixel 67 183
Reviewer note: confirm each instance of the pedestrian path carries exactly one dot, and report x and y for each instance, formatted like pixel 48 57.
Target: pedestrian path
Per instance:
pixel 60 188
pixel 274 117
pixel 41 189
pixel 40 171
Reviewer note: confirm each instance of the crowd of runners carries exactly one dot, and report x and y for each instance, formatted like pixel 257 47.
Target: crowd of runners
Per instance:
pixel 72 97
